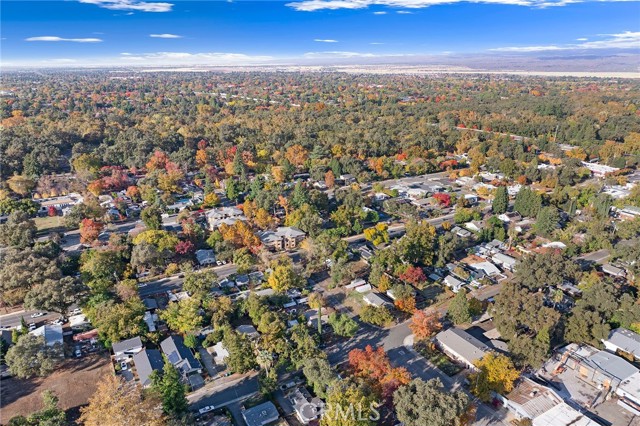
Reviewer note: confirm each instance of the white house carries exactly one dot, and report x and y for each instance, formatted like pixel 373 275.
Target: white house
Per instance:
pixel 504 260
pixel 127 348
pixel 625 341
pixel 226 215
pixel 453 283
pixel 461 346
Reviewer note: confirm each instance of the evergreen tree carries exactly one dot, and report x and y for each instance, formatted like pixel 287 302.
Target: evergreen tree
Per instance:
pixel 171 390
pixel 459 309
pixel 501 201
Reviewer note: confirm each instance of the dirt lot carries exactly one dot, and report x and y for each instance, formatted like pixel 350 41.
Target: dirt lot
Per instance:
pixel 73 383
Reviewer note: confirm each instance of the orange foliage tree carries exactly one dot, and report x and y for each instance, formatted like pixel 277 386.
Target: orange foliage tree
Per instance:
pixel 90 230
pixel 375 367
pixel 424 325
pixel 240 235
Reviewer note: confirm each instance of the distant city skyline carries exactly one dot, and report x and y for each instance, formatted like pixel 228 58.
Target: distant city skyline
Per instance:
pixel 174 32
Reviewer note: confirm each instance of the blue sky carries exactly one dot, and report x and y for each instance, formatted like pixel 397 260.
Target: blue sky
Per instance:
pixel 129 32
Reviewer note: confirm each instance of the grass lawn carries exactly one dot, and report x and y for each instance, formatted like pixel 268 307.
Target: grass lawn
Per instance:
pixel 49 224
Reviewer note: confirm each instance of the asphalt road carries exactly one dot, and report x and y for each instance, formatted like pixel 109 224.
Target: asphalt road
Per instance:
pixel 14 319
pixel 599 256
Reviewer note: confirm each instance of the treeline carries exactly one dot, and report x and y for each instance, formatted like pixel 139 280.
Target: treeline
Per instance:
pixel 123 118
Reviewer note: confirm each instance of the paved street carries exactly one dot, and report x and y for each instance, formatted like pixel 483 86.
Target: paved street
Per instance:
pixel 599 256
pixel 13 320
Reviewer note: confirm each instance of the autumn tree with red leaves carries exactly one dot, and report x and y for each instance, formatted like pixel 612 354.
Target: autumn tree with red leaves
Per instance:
pixel 90 230
pixel 374 367
pixel 413 275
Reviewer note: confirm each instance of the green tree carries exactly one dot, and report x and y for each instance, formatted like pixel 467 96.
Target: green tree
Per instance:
pixel 19 231
pixel 500 202
pixel 49 415
pixel 199 283
pixel 231 189
pixel 31 356
pixel 343 325
pixel 241 357
pixel 319 374
pixel 376 315
pixel 350 405
pixel 55 295
pixel 459 308
pixel 183 316
pixel 171 390
pixel 152 217
pixel 547 221
pixel 427 403
pixel 528 202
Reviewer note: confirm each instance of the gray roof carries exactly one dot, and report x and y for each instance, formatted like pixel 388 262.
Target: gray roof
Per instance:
pixel 463 344
pixel 52 334
pixel 626 340
pixel 375 299
pixel 126 345
pixel 260 415
pixel 147 362
pixel 179 355
pixel 613 365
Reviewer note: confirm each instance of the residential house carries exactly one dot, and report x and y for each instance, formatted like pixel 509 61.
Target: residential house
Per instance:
pixel 541 405
pixel 599 368
pixel 474 225
pixel 307 408
pixel 52 334
pixel 613 270
pixel 462 233
pixel 183 360
pixel 461 346
pixel 510 217
pixel 226 215
pixel 283 238
pixel 248 330
pixel 206 257
pixel 623 341
pixel 453 283
pixel 599 170
pixel 504 260
pixel 146 362
pixel 488 268
pixel 261 414
pixel 629 213
pixel 127 348
pixel 375 299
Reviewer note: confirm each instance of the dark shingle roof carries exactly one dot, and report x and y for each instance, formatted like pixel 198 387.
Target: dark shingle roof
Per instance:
pixel 146 363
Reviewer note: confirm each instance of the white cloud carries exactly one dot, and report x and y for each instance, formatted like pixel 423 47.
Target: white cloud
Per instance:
pixel 131 5
pixel 313 5
pixel 325 40
pixel 54 38
pixel 376 43
pixel 380 12
pixel 185 58
pixel 582 39
pixel 404 12
pixel 625 40
pixel 165 36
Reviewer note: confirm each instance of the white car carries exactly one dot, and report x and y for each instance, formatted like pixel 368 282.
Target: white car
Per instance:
pixel 124 366
pixel 59 321
pixel 37 315
pixel 206 409
pixel 32 327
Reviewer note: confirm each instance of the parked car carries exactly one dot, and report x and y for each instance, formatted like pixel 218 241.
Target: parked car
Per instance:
pixel 58 321
pixel 78 353
pixel 37 314
pixel 32 326
pixel 124 366
pixel 206 409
